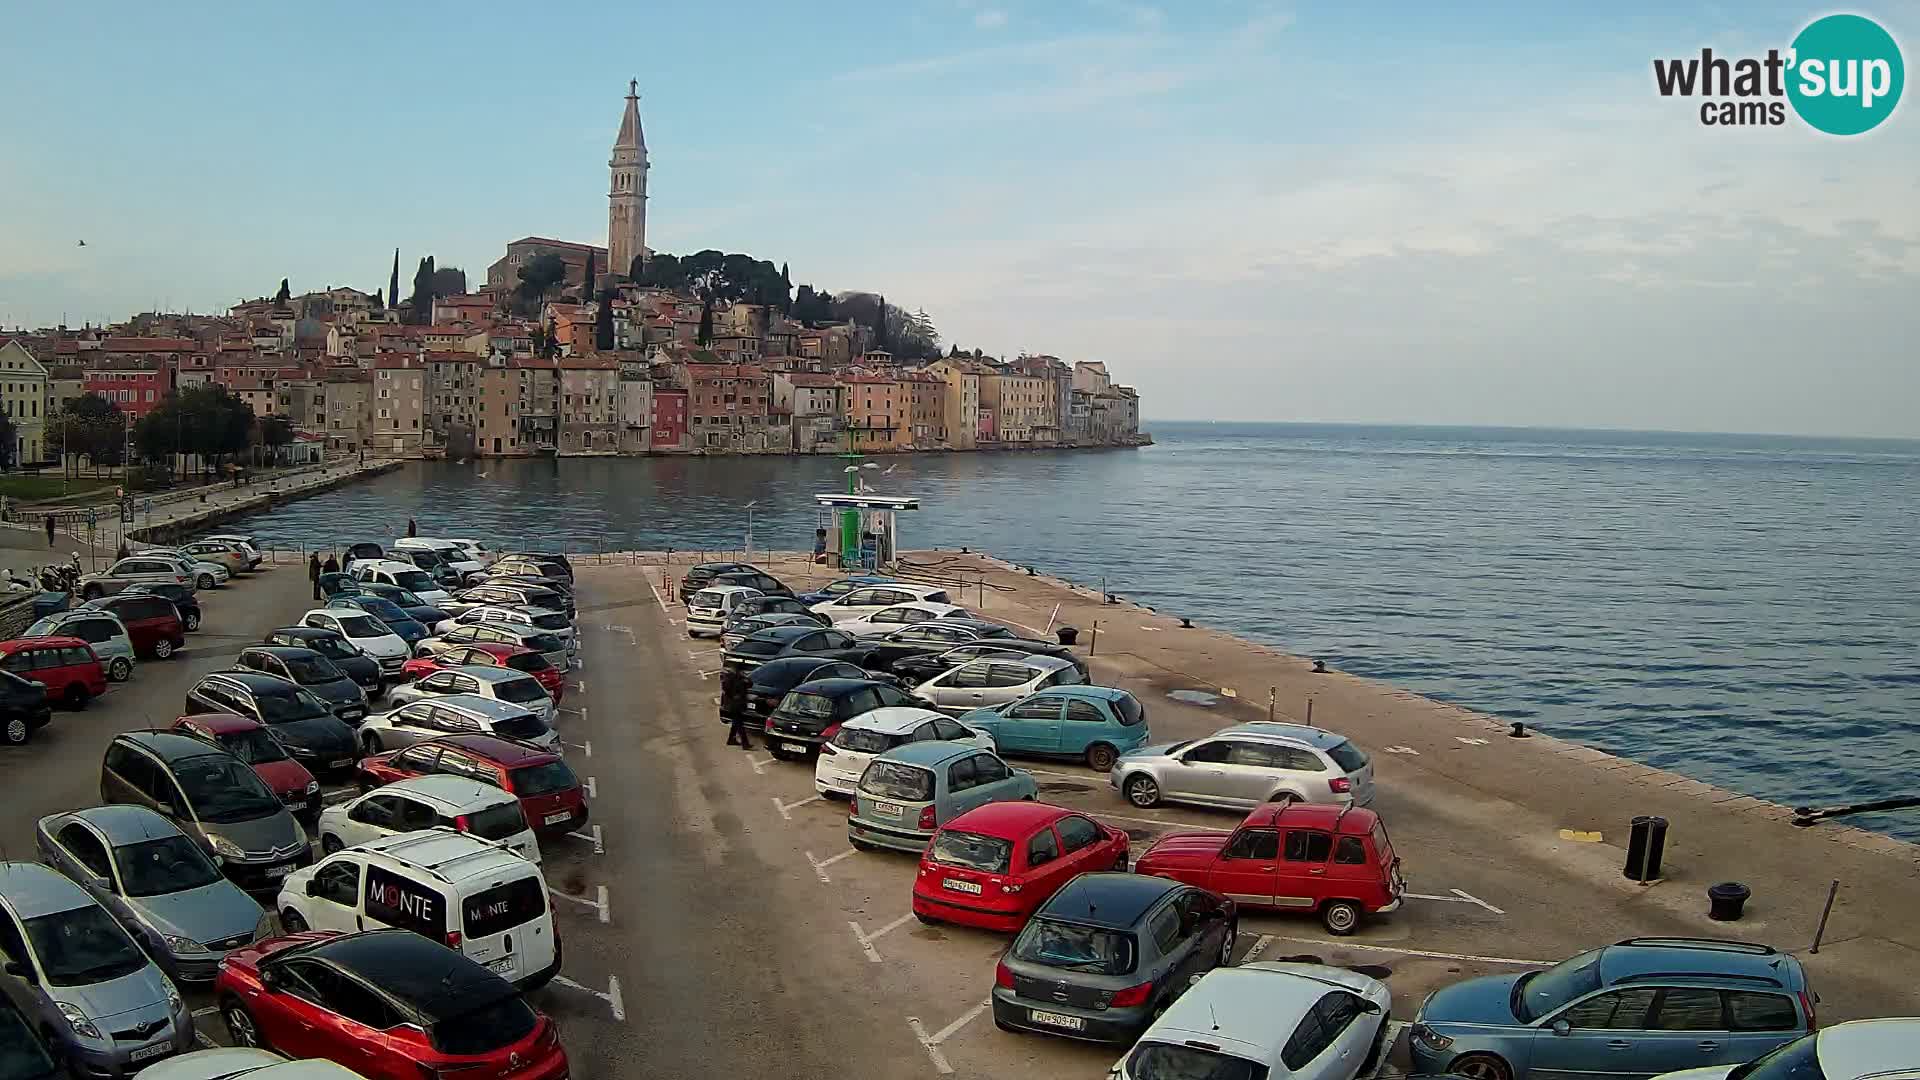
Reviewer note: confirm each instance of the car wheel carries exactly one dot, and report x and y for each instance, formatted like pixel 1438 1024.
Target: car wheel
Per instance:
pixel 1120 862
pixel 240 1024
pixel 292 922
pixel 76 696
pixel 92 592
pixel 370 743
pixel 191 621
pixel 1226 946
pixel 16 732
pixel 206 581
pixel 1100 757
pixel 1481 1067
pixel 1341 917
pixel 330 844
pixel 163 648
pixel 1142 792
pixel 120 669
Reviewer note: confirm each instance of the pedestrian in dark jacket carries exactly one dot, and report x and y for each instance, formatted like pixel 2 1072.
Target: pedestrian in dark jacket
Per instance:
pixel 331 566
pixel 49 530
pixel 313 573
pixel 410 529
pixel 737 732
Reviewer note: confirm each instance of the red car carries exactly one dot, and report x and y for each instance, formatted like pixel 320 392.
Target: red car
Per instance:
pixel 153 623
pixel 994 865
pixel 387 1004
pixel 548 791
pixel 250 741
pixel 491 654
pixel 66 666
pixel 1311 857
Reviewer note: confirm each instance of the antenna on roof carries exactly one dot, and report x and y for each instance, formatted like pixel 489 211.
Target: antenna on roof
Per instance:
pixel 1212 1018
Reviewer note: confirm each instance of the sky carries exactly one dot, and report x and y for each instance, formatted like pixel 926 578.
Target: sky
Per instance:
pixel 1321 212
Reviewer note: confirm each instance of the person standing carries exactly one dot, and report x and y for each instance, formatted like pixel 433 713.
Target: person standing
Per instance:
pixel 331 566
pixel 313 573
pixel 411 531
pixel 737 731
pixel 49 530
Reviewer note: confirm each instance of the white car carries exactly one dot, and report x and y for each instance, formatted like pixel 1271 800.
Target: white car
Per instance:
pixel 1269 1019
pixel 250 544
pixel 525 618
pixel 474 549
pixel 366 633
pixel 709 609
pixel 836 774
pixel 889 619
pixel 235 1062
pixel 451 553
pixel 406 575
pixel 868 599
pixel 205 575
pixel 526 637
pixel 454 714
pixel 426 802
pixel 1887 1048
pixel 502 684
pixel 978 684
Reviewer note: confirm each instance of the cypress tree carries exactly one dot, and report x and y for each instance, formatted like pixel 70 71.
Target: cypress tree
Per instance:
pixel 393 283
pixel 603 323
pixel 586 284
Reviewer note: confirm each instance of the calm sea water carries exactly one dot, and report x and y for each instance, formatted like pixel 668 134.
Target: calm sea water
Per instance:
pixel 1742 609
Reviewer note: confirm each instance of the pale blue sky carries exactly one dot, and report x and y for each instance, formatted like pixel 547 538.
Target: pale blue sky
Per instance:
pixel 1331 212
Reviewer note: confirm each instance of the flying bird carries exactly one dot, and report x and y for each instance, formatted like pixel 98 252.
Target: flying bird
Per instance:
pixel 83 243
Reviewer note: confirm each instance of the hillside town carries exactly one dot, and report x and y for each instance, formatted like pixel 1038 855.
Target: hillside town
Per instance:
pixel 576 350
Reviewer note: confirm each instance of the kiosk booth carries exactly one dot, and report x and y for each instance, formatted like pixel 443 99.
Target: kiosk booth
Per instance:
pixel 859 529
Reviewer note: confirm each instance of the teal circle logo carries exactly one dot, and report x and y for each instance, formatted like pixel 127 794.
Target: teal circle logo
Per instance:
pixel 1846 74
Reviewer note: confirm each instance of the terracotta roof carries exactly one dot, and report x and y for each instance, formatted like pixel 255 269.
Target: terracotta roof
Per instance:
pixel 148 344
pixel 812 380
pixel 568 244
pixel 589 363
pixel 392 363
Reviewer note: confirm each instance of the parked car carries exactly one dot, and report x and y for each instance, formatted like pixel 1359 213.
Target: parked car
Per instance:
pixel 390 614
pixel 1878 1049
pixel 752 694
pixel 550 648
pixel 403 574
pixel 338 583
pixel 525 619
pixel 410 604
pixel 308 669
pixel 891 618
pixel 516 689
pixel 1108 952
pixel 103 632
pixel 857 741
pixel 419 719
pixel 864 601
pixel 557 558
pixel 157 882
pixel 430 802
pixel 752 579
pixel 473 549
pixel 234 1062
pixel 251 742
pixel 907 793
pixel 980 683
pixel 919 668
pixel 136 568
pixel 842 587
pixel 360 667
pixel 491 654
pixel 709 609
pixel 22 1052
pixel 1093 723
pixel 739 627
pixel 450 553
pixel 1268 1019
pixel 70 969
pixel 548 790
pixel 928 636
pixel 520 594
pixel 365 551
pixel 153 623
pixel 248 543
pixel 1674 1002
pixel 213 797
pixel 365 633
pixel 1243 766
pixel 469 894
pixel 433 563
pixel 23 708
pixel 203 573
pixel 776 642
pixel 183 600
pixel 388 1003
pixel 1334 861
pixel 65 667
pixel 539 565
pixel 806 717
pixel 994 865
pixel 696 577
pixel 221 552
pixel 298 719
pixel 779 604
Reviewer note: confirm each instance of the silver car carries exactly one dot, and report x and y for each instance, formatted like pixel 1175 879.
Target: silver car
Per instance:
pixel 101 630
pixel 224 552
pixel 73 971
pixel 155 569
pixel 157 882
pixel 207 573
pixel 1244 766
pixel 461 714
pixel 996 681
pixel 503 684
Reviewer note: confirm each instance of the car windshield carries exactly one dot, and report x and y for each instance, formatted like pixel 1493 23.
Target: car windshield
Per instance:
pixel 551 620
pixel 798 703
pixel 286 708
pixel 170 864
pixel 485 1029
pixel 381 607
pixel 254 746
pixel 988 854
pixel 1541 992
pixel 21 1055
pixel 307 670
pixel 524 726
pixel 862 741
pixel 222 789
pixel 544 643
pixel 44 628
pixel 1349 757
pixel 895 780
pixel 519 691
pixel 529 662
pixel 708 598
pixel 1165 1061
pixel 83 946
pixel 1797 1060
pixel 758 647
pixel 497 822
pixel 543 779
pixel 1074 947
pixel 406 598
pixel 333 648
pixel 413 580
pixel 363 626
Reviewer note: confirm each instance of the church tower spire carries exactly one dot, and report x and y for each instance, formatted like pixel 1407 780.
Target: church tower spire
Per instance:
pixel 627 193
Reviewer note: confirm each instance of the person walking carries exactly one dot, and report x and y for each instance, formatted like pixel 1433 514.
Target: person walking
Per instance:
pixel 737 731
pixel 331 566
pixel 411 531
pixel 313 573
pixel 49 530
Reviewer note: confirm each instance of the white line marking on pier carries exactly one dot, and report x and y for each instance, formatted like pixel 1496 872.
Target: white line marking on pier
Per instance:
pixel 710 674
pixel 207 1011
pixel 866 940
pixel 1472 899
pixel 580 712
pixel 787 808
pixel 203 1039
pixel 1401 750
pixel 600 905
pixel 761 764
pixel 591 787
pixel 1429 954
pixel 1469 742
pixel 586 747
pixel 580 687
pixel 1160 821
pixel 1155 629
pixel 611 995
pixel 657 598
pixel 1259 947
pixel 594 837
pixel 1458 897
pixel 932 1042
pixel 820 865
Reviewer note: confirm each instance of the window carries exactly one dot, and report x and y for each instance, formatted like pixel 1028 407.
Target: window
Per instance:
pixel 1689 1009
pixel 950 730
pixel 1209 753
pixel 1350 852
pixel 87 848
pixel 961 775
pixel 1076 833
pixel 1003 675
pixel 1253 844
pixel 1308 1039
pixel 418 759
pixel 338 882
pixel 1750 1011
pixel 12 945
pixel 379 811
pixel 1257 755
pixel 1337 1010
pixel 1164 927
pixel 1305 846
pixel 970 677
pixel 1042 848
pixel 1085 712
pixel 1036 708
pixel 399 901
pixel 503 907
pixel 1621 1010
pixel 351 998
pixel 990 769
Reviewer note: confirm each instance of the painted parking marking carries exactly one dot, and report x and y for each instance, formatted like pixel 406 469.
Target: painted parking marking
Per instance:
pixel 599 903
pixel 580 712
pixel 786 809
pixel 1259 947
pixel 866 940
pixel 203 1039
pixel 1469 742
pixel 594 837
pixel 611 995
pixel 761 763
pixel 208 1010
pixel 711 674
pixel 1472 899
pixel 1331 943
pixel 585 747
pixel 932 1042
pixel 1401 750
pixel 657 598
pixel 580 687
pixel 591 787
pixel 820 865
pixel 1459 896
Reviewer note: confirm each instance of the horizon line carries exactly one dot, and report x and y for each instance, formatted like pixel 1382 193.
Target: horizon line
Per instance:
pixel 1144 421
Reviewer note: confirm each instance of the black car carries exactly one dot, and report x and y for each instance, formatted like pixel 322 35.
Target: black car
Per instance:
pixel 23 709
pixel 338 583
pixel 566 564
pixel 546 565
pixel 309 669
pixel 801 640
pixel 752 695
pixel 182 598
pixel 799 724
pixel 360 667
pixel 517 595
pixel 299 719
pixel 355 552
pixel 22 1055
pixel 929 636
pixel 697 577
pixel 412 606
pixel 919 667
pixel 752 579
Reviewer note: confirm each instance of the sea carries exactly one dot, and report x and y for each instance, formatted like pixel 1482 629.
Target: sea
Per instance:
pixel 1743 609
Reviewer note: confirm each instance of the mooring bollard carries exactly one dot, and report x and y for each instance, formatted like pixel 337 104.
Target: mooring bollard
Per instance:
pixel 1186 623
pixel 1726 900
pixel 1519 731
pixel 1646 844
pixel 1821 930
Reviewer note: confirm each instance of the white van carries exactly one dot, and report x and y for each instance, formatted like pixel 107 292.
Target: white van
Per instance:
pixel 429 802
pixel 708 609
pixel 454 555
pixel 472 894
pixel 405 575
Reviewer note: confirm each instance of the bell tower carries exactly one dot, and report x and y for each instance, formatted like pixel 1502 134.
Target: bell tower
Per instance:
pixel 627 191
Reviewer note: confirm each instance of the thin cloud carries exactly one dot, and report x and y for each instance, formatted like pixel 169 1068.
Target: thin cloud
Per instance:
pixel 990 19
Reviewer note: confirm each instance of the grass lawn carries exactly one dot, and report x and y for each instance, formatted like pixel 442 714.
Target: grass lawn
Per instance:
pixel 25 488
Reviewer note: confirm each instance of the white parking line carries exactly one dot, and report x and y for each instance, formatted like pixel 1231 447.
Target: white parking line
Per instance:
pixel 585 746
pixel 611 995
pixel 787 808
pixel 932 1042
pixel 761 763
pixel 1459 897
pixel 600 904
pixel 590 787
pixel 1259 947
pixel 866 940
pixel 711 674
pixel 1343 944
pixel 592 836
pixel 657 598
pixel 204 1039
pixel 209 1010
pixel 820 865
pixel 580 687
pixel 580 712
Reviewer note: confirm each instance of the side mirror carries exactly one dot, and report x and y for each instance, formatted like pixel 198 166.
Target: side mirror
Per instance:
pixel 104 884
pixel 1369 1007
pixel 20 971
pixel 37 684
pixel 1561 1027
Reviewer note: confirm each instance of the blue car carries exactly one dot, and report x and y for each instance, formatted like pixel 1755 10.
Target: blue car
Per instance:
pixel 1628 1011
pixel 409 630
pixel 843 587
pixel 1097 723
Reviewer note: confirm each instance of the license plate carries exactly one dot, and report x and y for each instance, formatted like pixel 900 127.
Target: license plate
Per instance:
pixel 275 873
pixel 151 1052
pixel 796 746
pixel 887 809
pixel 350 714
pixel 340 763
pixel 1059 1020
pixel 960 886
pixel 502 966
pixel 555 819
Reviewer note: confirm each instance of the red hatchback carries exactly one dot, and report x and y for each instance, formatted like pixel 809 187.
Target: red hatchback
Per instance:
pixel 387 1004
pixel 250 741
pixel 66 666
pixel 994 865
pixel 491 654
pixel 152 622
pixel 549 792
pixel 1308 857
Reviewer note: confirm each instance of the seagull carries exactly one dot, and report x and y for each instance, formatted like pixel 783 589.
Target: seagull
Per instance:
pixel 83 243
pixel 871 465
pixel 890 469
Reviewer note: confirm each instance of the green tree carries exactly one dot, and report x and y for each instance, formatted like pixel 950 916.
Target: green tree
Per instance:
pixel 706 322
pixel 275 432
pixel 421 303
pixel 539 275
pixel 603 323
pixel 393 283
pixel 9 439
pixel 449 281
pixel 586 280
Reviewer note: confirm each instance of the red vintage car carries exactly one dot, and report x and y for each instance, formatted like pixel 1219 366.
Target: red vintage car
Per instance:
pixel 387 1004
pixel 994 865
pixel 1307 857
pixel 249 740
pixel 491 654
pixel 548 791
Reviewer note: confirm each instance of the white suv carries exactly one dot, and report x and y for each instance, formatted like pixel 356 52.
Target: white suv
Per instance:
pixel 708 609
pixel 429 802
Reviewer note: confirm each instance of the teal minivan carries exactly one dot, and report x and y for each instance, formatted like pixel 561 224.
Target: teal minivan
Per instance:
pixel 1096 723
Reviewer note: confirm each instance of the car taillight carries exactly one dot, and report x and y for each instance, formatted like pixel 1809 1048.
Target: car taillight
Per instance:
pixel 1806 1004
pixel 460 822
pixel 926 817
pixel 453 939
pixel 853 809
pixel 1003 975
pixel 550 1036
pixel 1131 996
pixel 1340 785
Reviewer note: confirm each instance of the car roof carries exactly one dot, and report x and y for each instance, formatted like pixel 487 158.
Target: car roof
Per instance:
pixel 836 688
pixel 1252 1010
pixel 914 587
pixel 719 566
pixel 784 633
pixel 389 565
pixel 305 631
pixel 1106 899
pixel 1711 959
pixel 1318 738
pixel 171 746
pixel 508 752
pixel 1037 661
pixel 33 890
pixel 223 723
pixel 55 640
pixel 725 589
pixel 437 982
pixel 450 791
pixel 219 1062
pixel 490 708
pixel 1008 820
pixel 257 681
pixel 1862 1048
pixel 891 719
pixel 1098 693
pixel 1345 820
pixel 449 854
pixel 123 823
pixel 928 754
pixel 285 652
pixel 487 673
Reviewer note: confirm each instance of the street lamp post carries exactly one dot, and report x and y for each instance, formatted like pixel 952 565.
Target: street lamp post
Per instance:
pixel 750 505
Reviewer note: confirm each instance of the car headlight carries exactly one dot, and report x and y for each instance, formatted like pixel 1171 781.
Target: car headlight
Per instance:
pixel 78 1021
pixel 182 946
pixel 225 847
pixel 173 994
pixel 313 786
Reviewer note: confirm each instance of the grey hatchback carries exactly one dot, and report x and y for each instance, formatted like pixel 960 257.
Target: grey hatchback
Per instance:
pixel 907 793
pixel 1107 953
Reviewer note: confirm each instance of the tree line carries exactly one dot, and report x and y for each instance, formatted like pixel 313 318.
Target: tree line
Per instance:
pixel 205 421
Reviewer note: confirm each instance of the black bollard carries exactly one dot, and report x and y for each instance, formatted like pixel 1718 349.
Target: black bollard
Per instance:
pixel 1519 731
pixel 1068 634
pixel 1186 623
pixel 1646 844
pixel 1726 901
